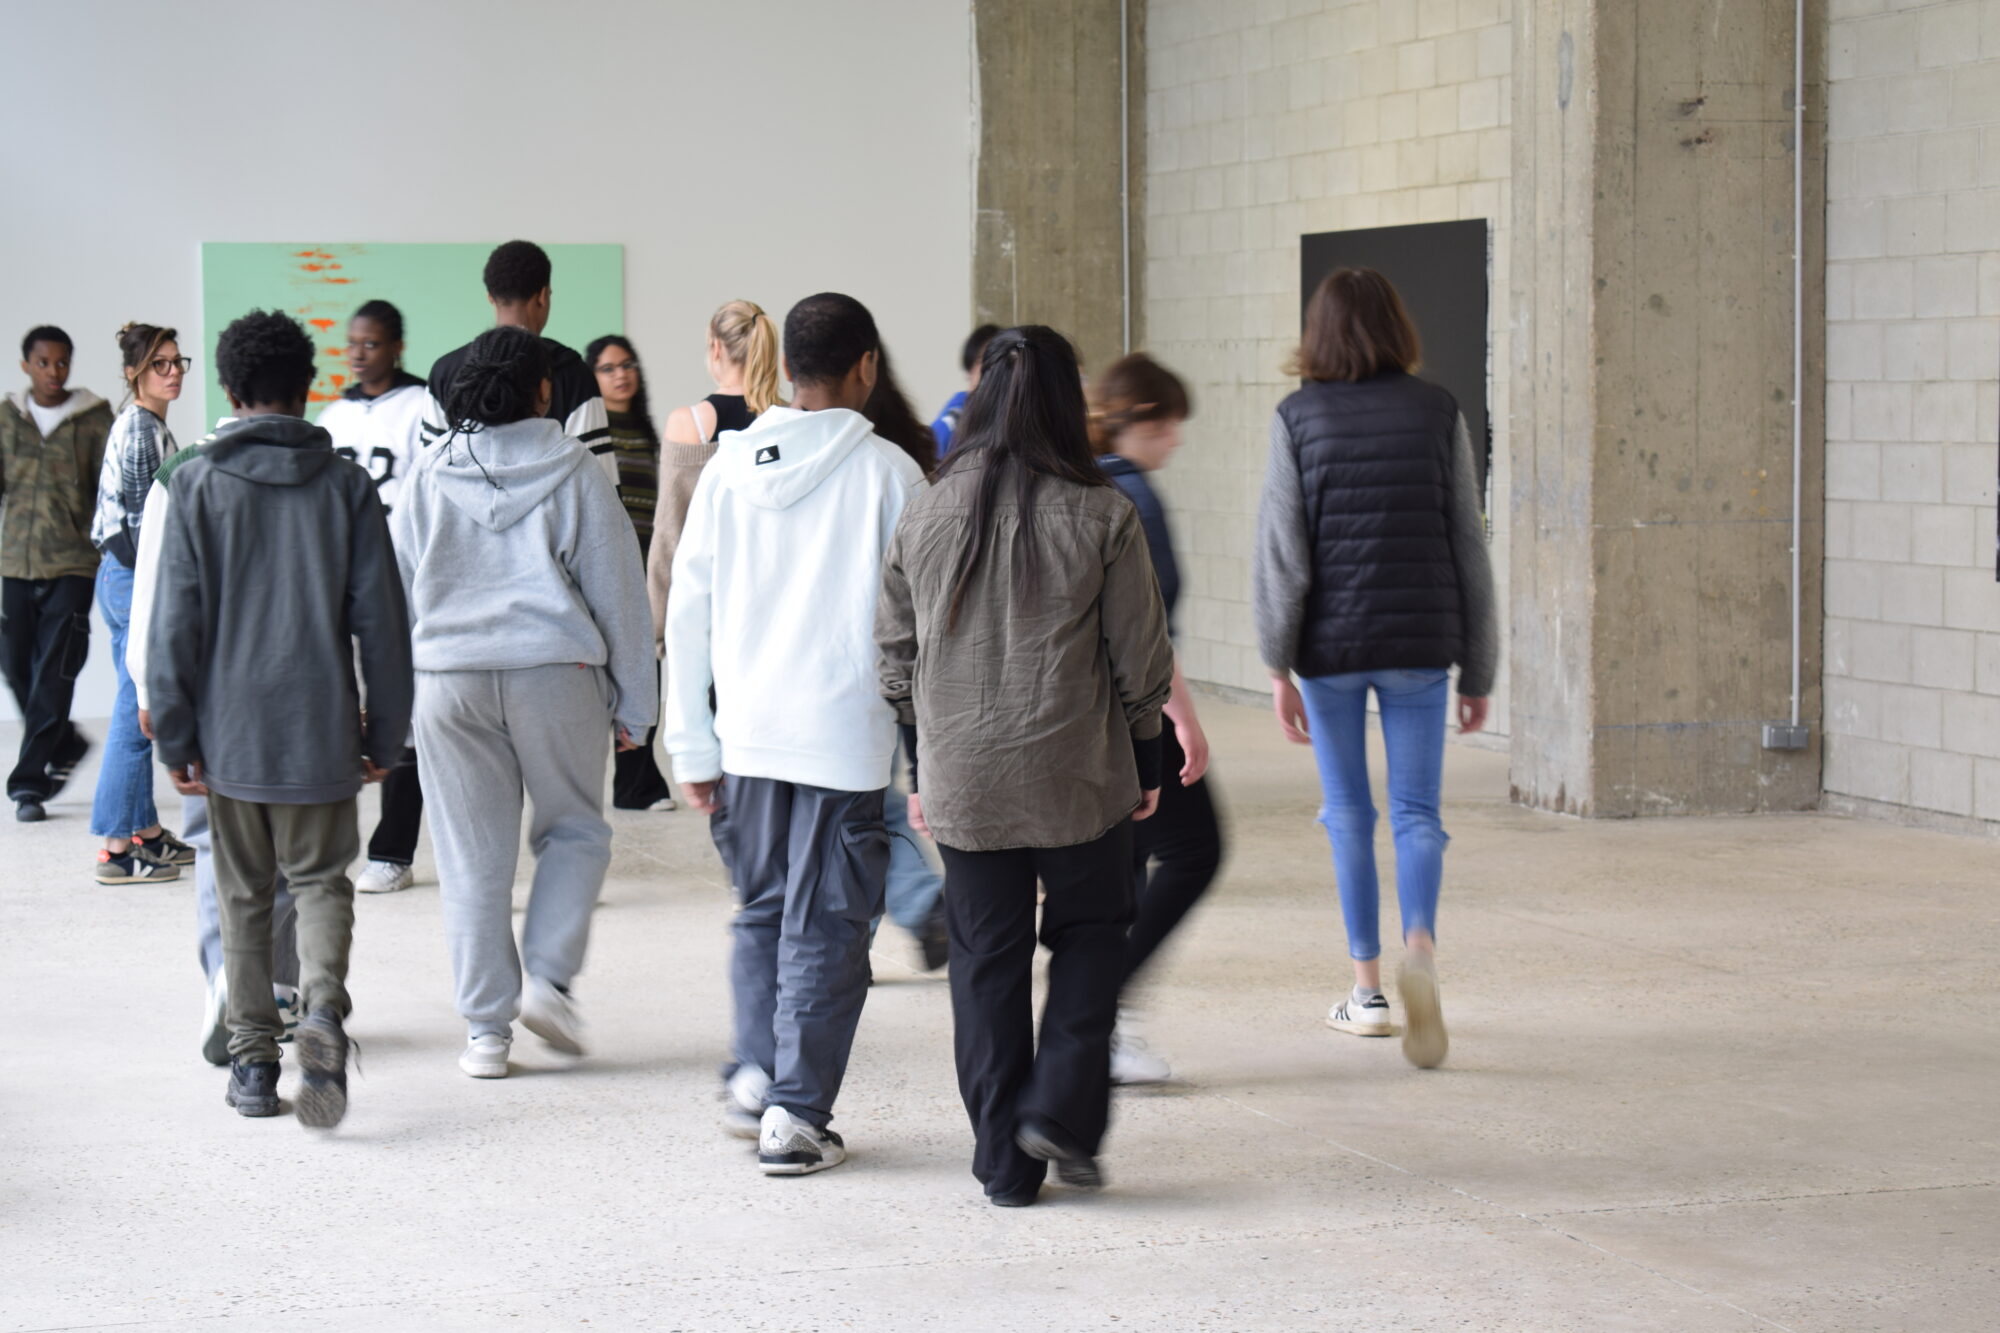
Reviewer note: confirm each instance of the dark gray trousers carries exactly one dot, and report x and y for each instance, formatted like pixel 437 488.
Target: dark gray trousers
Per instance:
pixel 810 864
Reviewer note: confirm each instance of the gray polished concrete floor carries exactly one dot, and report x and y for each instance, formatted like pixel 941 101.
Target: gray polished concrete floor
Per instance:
pixel 1705 1075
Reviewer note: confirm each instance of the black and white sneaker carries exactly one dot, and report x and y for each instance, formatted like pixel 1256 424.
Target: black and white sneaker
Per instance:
pixel 166 847
pixel 63 766
pixel 1074 1166
pixel 321 1042
pixel 29 809
pixel 253 1088
pixel 135 865
pixel 788 1146
pixel 1364 1018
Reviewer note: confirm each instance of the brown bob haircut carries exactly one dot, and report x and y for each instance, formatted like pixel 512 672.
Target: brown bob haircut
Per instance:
pixel 1356 328
pixel 1132 389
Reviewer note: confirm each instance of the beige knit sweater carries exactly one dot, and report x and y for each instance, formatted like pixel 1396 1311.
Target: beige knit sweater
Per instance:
pixel 680 468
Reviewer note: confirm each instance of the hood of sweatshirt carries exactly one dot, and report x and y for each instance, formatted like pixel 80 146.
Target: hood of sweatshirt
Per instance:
pixel 78 402
pixel 786 453
pixel 270 450
pixel 498 475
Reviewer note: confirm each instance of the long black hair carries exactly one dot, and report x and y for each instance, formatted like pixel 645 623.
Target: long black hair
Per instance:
pixel 498 382
pixel 888 410
pixel 641 406
pixel 1025 421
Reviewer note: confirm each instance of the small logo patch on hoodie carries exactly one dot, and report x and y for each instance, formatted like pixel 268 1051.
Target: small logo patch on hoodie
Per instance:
pixel 768 454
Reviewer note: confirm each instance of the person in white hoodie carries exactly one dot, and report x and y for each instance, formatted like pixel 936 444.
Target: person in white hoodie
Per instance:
pixel 773 603
pixel 532 643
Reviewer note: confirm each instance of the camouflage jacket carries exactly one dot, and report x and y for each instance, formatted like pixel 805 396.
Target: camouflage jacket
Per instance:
pixel 48 487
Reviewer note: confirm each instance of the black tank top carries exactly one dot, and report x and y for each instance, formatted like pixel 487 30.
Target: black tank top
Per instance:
pixel 731 412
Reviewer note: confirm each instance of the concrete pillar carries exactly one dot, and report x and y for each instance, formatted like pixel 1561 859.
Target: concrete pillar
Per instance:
pixel 1047 242
pixel 1651 388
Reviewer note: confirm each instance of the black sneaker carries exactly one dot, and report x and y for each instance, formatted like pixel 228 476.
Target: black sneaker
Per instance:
pixel 29 810
pixel 934 939
pixel 322 1046
pixel 1015 1198
pixel 253 1088
pixel 1045 1142
pixel 137 864
pixel 64 764
pixel 166 847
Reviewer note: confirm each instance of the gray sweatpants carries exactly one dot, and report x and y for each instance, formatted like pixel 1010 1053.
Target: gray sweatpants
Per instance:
pixel 809 864
pixel 208 915
pixel 483 739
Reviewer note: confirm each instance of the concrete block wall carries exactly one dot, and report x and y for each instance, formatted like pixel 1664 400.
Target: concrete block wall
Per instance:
pixel 1912 407
pixel 1266 120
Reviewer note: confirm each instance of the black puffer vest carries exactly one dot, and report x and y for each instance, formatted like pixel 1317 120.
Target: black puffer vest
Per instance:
pixel 1375 470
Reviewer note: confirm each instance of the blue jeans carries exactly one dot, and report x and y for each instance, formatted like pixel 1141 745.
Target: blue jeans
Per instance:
pixel 124 803
pixel 914 887
pixel 1413 705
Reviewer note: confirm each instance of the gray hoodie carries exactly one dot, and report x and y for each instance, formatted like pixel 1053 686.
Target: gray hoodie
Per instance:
pixel 275 578
pixel 516 553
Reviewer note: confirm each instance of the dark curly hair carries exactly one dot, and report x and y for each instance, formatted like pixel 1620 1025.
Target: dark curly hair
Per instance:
pixel 517 271
pixel 825 335
pixel 44 333
pixel 498 382
pixel 265 357
pixel 383 313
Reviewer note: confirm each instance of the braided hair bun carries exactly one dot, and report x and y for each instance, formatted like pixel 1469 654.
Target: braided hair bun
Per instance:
pixel 499 382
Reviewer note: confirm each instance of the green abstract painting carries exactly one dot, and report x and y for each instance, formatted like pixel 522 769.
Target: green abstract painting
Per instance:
pixel 437 287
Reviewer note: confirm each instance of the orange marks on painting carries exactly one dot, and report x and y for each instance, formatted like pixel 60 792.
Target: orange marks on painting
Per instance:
pixel 340 352
pixel 317 397
pixel 311 254
pixel 322 324
pixel 312 268
pixel 338 280
pixel 338 380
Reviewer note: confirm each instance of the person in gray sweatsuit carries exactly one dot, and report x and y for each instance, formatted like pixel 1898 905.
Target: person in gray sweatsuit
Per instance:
pixel 533 641
pixel 275 577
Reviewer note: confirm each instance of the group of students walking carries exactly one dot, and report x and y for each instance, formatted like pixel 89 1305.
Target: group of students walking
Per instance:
pixel 439 585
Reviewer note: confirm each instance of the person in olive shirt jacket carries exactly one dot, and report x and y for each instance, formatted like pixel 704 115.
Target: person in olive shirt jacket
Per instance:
pixel 1023 574
pixel 51 450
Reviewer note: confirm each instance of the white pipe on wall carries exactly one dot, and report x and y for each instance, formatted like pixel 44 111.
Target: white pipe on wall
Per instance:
pixel 1125 164
pixel 1798 345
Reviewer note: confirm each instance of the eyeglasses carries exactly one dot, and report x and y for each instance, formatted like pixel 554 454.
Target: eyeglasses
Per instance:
pixel 168 365
pixel 364 345
pixel 613 367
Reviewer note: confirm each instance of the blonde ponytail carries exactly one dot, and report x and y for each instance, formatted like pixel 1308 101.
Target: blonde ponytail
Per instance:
pixel 750 340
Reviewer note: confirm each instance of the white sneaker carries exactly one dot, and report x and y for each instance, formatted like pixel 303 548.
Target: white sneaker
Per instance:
pixel 664 803
pixel 743 1101
pixel 215 1020
pixel 788 1146
pixel 551 1015
pixel 485 1056
pixel 1424 1039
pixel 1132 1061
pixel 1363 1020
pixel 384 877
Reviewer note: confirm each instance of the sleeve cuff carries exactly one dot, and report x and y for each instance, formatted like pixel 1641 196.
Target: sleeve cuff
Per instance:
pixel 1147 753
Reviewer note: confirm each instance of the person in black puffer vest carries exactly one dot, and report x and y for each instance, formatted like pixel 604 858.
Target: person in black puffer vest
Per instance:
pixel 1371 572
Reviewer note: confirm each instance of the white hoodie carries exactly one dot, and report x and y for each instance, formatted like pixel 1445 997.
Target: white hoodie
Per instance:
pixel 773 602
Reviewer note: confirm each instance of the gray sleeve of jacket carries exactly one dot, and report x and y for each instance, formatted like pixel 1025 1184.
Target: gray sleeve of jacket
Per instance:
pixel 612 580
pixel 1477 607
pixel 1135 626
pixel 174 642
pixel 1281 566
pixel 896 634
pixel 378 616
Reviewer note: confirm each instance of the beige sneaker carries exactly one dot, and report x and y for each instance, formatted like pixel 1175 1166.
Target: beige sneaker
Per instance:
pixel 1424 1039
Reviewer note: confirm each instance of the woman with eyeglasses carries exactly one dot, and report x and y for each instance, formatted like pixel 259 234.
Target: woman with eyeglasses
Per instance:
pixel 636 781
pixel 136 849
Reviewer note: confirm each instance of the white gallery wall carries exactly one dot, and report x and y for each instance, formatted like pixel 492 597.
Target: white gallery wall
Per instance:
pixel 766 149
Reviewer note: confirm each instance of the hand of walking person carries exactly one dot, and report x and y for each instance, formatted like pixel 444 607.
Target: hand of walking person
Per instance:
pixel 1472 715
pixel 146 723
pixel 1194 744
pixel 704 798
pixel 1149 801
pixel 1291 710
pixel 917 815
pixel 370 772
pixel 187 781
pixel 625 742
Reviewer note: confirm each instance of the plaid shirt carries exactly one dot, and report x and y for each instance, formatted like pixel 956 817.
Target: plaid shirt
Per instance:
pixel 139 440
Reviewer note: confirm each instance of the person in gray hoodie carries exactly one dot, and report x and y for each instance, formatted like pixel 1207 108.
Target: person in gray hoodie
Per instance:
pixel 275 576
pixel 533 641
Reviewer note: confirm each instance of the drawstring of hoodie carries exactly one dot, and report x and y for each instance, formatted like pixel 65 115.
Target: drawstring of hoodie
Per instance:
pixel 462 428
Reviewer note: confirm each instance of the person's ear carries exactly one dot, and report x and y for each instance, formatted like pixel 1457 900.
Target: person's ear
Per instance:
pixel 235 403
pixel 870 366
pixel 788 369
pixel 24 366
pixel 543 397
